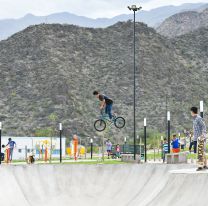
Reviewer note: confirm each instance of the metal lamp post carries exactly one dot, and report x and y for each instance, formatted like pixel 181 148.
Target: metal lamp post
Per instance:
pixel 60 132
pixel 202 109
pixel 91 144
pixel 145 139
pixel 138 143
pixel 0 141
pixel 134 8
pixel 168 119
pixel 161 142
pixel 124 148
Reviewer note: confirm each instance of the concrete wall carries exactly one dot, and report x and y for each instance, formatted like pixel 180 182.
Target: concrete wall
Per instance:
pixel 101 185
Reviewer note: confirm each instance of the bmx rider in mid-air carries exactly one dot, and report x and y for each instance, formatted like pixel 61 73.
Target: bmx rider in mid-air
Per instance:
pixel 106 103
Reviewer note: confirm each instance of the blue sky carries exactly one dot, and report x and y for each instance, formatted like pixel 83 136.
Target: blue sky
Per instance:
pixel 89 8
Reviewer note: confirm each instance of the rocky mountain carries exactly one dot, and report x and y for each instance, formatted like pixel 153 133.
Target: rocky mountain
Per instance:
pixel 183 23
pixel 153 18
pixel 51 70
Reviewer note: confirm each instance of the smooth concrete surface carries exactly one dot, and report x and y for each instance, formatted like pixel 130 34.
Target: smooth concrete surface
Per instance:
pixel 102 185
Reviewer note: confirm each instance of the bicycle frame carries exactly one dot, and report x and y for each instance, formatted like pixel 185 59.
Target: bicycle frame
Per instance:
pixel 105 118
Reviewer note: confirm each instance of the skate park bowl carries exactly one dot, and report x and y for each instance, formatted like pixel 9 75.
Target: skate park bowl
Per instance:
pixel 103 185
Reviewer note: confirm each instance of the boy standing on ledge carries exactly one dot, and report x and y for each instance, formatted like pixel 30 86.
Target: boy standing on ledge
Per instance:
pixel 199 135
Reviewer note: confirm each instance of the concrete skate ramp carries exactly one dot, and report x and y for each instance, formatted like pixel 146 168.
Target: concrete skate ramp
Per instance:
pixel 101 185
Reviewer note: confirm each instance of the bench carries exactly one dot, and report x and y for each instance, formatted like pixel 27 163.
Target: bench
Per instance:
pixel 176 158
pixel 130 158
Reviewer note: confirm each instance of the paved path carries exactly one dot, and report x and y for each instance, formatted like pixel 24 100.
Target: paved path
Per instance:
pixel 102 185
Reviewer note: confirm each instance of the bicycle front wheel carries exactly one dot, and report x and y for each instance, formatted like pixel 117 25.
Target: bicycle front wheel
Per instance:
pixel 100 125
pixel 120 122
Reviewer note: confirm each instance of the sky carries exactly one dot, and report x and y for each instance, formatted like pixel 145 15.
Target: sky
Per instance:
pixel 88 8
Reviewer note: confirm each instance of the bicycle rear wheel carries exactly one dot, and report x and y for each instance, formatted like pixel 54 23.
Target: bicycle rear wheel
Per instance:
pixel 120 122
pixel 100 125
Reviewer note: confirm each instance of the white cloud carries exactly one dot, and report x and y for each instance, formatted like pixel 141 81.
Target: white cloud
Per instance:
pixel 90 8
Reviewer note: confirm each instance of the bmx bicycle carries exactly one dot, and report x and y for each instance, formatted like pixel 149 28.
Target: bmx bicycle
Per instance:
pixel 101 123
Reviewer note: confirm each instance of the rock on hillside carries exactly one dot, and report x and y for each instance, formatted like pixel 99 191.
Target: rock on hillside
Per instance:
pixel 183 23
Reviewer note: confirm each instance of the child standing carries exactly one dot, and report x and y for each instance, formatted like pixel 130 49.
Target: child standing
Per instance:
pixel 175 144
pixel 109 147
pixel 165 148
pixel 118 151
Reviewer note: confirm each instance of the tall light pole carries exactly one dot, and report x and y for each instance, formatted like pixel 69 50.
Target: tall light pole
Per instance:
pixel 134 8
pixel 202 109
pixel 60 133
pixel 145 139
pixel 0 141
pixel 168 118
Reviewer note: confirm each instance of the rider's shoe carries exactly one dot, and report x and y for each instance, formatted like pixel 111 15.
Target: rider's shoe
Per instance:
pixel 113 120
pixel 199 169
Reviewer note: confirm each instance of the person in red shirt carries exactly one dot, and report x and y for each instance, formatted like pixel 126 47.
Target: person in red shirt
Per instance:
pixel 118 151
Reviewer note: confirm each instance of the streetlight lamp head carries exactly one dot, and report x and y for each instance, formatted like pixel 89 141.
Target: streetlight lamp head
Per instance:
pixel 60 126
pixel 91 140
pixel 201 106
pixel 134 8
pixel 168 116
pixel 0 125
pixel 145 122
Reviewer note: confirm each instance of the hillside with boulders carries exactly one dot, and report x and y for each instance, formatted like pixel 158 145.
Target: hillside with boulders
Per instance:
pixel 48 74
pixel 183 23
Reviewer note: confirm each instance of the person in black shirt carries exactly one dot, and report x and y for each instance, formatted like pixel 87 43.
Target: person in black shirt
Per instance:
pixel 106 103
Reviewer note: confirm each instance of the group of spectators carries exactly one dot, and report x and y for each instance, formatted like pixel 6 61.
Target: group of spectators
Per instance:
pixel 180 143
pixel 177 144
pixel 109 149
pixel 197 134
